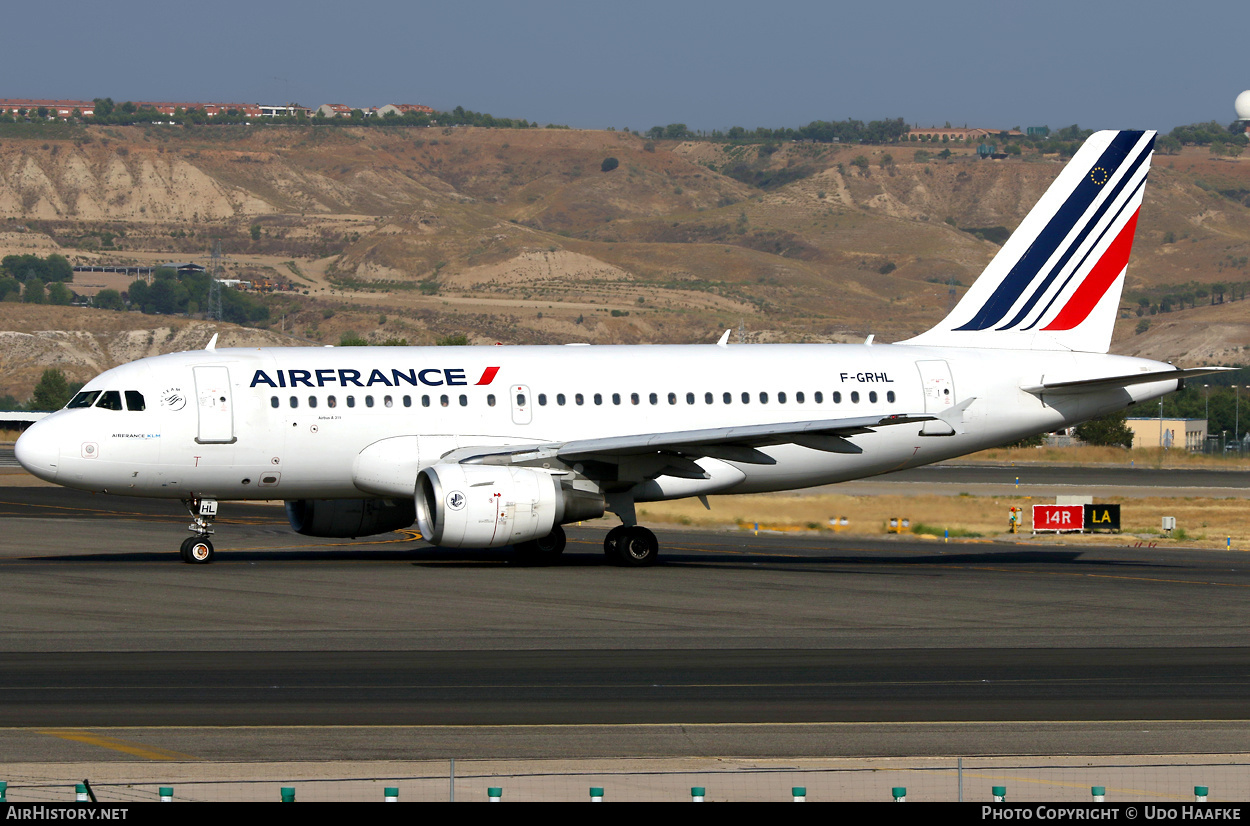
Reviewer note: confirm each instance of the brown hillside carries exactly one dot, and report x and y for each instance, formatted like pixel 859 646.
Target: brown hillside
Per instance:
pixel 518 236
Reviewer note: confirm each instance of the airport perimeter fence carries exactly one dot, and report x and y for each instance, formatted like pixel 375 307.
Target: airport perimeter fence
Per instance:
pixel 1040 780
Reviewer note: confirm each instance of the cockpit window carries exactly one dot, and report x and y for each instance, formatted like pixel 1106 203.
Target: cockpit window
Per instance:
pixel 110 400
pixel 134 400
pixel 86 398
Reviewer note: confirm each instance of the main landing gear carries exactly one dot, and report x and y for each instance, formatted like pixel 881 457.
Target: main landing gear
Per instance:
pixel 545 550
pixel 632 546
pixel 198 550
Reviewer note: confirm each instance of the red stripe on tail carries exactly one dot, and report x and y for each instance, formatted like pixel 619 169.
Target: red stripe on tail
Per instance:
pixel 1099 280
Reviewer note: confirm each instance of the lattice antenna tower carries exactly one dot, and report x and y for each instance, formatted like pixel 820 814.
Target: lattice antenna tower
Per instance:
pixel 214 284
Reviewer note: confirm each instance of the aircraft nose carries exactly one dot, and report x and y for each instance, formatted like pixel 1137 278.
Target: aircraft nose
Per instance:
pixel 39 451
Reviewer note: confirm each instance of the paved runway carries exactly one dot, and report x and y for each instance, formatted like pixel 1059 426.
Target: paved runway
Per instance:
pixel 776 645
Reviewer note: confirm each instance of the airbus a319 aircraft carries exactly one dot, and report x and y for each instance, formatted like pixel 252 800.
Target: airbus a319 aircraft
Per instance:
pixel 490 446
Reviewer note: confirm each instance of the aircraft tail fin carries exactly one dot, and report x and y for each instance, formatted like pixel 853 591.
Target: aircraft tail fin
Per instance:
pixel 1056 283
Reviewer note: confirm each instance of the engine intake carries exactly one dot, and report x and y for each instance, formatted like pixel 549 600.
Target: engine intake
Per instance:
pixel 489 506
pixel 349 517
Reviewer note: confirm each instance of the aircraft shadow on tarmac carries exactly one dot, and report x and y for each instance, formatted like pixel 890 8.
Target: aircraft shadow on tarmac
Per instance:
pixel 424 556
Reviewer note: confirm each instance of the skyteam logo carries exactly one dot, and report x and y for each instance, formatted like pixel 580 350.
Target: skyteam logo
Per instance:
pixel 1068 258
pixel 455 500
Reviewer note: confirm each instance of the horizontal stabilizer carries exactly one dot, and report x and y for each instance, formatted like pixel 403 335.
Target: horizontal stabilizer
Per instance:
pixel 1083 385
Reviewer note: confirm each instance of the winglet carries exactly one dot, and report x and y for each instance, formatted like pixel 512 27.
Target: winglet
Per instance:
pixel 212 343
pixel 724 340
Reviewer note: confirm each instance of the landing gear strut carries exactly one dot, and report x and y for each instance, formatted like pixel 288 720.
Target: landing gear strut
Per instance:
pixel 198 550
pixel 632 546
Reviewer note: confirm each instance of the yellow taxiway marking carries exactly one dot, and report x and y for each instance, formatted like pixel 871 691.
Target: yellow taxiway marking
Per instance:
pixel 1062 784
pixel 125 747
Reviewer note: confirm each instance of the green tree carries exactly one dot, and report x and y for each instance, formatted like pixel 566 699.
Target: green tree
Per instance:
pixel 1109 431
pixel 34 292
pixel 254 229
pixel 10 289
pixel 453 340
pixel 609 164
pixel 51 393
pixel 109 300
pixel 60 295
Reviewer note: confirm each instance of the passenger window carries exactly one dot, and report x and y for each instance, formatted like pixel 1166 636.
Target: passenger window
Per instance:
pixel 368 401
pixel 819 397
pixel 746 397
pixel 598 399
pixel 690 398
pixel 444 401
pixel 872 396
pixel 854 397
pixel 781 398
pixel 798 397
pixel 616 398
pixel 273 401
pixel 520 400
pixel 464 401
pixel 110 400
pixel 728 398
pixel 763 398
pixel 134 400
pixel 387 401
pixel 633 398
pixel 294 402
pixel 560 399
pixel 331 401
pixel 84 399
pixel 425 401
pixel 889 396
pixel 654 399
pixel 579 399
pixel 407 401
pixel 351 401
pixel 542 399
pixel 312 401
pixel 490 400
pixel 707 398
pixel 837 397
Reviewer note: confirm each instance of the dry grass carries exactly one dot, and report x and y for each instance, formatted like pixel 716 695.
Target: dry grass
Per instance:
pixel 1083 456
pixel 1205 522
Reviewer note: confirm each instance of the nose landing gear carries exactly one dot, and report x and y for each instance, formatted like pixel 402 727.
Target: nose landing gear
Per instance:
pixel 198 550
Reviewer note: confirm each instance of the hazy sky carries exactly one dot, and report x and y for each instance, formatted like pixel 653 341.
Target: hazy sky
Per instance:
pixel 637 64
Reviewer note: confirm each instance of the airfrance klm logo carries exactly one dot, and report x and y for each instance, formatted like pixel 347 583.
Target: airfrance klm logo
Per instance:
pixel 343 377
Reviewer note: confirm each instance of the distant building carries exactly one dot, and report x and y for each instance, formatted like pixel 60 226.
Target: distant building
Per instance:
pixel 403 109
pixel 289 110
pixel 962 135
pixel 334 110
pixel 1176 434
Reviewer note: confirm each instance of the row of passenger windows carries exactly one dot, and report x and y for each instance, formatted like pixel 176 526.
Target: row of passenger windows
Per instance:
pixel 108 399
pixel 579 399
pixel 710 398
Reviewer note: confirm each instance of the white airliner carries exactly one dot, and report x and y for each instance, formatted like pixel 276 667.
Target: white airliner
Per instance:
pixel 490 446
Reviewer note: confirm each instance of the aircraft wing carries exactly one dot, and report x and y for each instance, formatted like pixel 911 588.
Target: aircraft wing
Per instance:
pixel 735 444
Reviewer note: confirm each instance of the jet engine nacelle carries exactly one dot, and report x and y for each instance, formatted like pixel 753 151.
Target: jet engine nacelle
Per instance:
pixel 349 517
pixel 489 506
